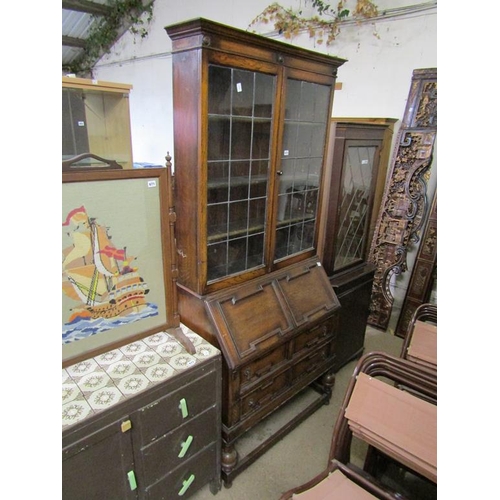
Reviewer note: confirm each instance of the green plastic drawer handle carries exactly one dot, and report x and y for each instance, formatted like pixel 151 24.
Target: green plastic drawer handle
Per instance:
pixel 184 408
pixel 185 446
pixel 131 480
pixel 186 484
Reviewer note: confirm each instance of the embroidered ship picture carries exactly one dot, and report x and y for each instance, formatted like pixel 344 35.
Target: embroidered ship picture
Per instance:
pixel 101 279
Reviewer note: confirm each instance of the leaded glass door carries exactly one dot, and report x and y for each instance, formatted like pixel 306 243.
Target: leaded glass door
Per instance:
pixel 355 202
pixel 240 116
pixel 307 111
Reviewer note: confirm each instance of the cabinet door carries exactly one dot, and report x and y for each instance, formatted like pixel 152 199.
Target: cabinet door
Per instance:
pixel 306 115
pixel 99 466
pixel 356 196
pixel 240 112
pixel 75 139
pixel 353 190
pixel 230 91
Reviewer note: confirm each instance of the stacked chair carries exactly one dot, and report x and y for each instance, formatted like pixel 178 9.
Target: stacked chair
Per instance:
pixel 420 343
pixel 390 407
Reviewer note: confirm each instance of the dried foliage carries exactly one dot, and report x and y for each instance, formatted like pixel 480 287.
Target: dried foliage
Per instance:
pixel 323 26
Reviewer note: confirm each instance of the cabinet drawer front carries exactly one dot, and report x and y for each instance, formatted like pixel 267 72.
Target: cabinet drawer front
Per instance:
pixel 178 446
pixel 310 339
pixel 189 477
pixel 313 363
pixel 175 409
pixel 262 366
pixel 270 388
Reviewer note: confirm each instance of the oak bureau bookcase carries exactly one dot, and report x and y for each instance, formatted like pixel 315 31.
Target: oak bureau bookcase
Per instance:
pixel 251 121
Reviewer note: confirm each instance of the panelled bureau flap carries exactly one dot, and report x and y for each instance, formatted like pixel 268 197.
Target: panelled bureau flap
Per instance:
pixel 260 314
pixel 308 292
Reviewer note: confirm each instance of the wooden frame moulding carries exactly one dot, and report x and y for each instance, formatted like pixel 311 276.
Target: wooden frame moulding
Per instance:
pixel 117 236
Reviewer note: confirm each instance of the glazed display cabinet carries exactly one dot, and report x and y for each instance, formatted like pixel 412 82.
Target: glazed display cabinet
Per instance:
pixel 356 183
pixel 251 119
pixel 96 119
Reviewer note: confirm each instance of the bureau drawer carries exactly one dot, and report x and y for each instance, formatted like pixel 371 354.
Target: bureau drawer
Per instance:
pixel 187 478
pixel 314 362
pixel 259 368
pixel 312 338
pixel 178 446
pixel 270 388
pixel 175 409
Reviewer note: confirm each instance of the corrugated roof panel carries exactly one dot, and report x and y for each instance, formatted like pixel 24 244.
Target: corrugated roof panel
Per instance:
pixel 69 54
pixel 76 24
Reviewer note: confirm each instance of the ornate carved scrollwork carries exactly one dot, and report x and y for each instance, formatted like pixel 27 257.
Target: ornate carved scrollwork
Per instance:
pixel 405 198
pixel 423 273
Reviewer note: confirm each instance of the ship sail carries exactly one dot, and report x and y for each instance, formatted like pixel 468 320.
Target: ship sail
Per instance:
pixel 82 249
pixel 85 283
pixel 105 263
pixel 93 275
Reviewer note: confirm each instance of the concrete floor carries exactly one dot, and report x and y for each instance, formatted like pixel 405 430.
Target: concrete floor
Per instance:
pixel 302 453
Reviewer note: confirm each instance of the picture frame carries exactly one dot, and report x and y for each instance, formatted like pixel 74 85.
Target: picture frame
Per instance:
pixel 118 259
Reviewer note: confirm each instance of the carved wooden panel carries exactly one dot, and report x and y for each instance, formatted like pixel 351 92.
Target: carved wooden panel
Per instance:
pixel 404 203
pixel 423 272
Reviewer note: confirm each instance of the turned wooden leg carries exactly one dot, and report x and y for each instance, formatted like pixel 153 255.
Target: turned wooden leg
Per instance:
pixel 229 460
pixel 328 381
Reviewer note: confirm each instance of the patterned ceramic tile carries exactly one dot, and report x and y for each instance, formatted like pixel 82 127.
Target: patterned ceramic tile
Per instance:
pixel 146 359
pixel 169 349
pixel 157 339
pixel 182 361
pixel 159 372
pixel 205 350
pixel 106 397
pixel 94 381
pixel 98 383
pixel 121 369
pixel 133 384
pixel 109 357
pixel 130 350
pixel 82 368
pixel 75 411
pixel 70 392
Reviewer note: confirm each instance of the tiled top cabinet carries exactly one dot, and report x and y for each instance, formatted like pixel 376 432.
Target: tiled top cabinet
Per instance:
pixel 159 438
pixel 251 118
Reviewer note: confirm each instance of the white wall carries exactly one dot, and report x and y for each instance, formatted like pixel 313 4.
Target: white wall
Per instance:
pixel 375 80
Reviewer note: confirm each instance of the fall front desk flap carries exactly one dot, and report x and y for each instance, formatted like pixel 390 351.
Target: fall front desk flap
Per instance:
pixel 265 312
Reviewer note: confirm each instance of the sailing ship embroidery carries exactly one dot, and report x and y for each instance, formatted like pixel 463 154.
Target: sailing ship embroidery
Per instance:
pixel 99 277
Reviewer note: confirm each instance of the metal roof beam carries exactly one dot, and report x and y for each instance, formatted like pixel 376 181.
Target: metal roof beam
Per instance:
pixel 86 6
pixel 69 41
